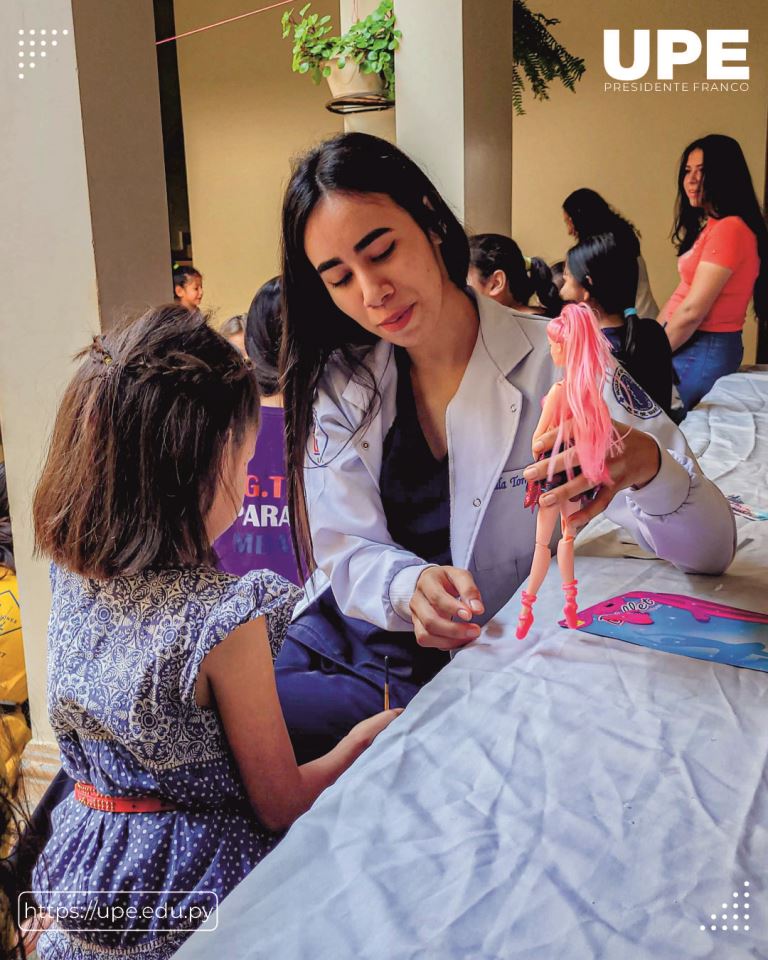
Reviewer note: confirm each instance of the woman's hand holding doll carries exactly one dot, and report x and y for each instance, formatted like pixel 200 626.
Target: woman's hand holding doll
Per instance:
pixel 591 453
pixel 634 465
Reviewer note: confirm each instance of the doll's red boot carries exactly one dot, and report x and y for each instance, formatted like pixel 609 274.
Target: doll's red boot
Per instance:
pixel 570 609
pixel 526 615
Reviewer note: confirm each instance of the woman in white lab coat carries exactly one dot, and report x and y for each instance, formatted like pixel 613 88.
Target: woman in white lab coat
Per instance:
pixel 410 407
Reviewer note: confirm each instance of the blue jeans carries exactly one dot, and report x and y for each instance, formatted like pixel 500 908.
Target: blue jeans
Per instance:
pixel 703 360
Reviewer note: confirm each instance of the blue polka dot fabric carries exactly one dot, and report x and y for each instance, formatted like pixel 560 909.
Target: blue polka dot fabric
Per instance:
pixel 124 656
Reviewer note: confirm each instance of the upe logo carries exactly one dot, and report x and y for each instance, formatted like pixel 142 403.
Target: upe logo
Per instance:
pixel 676 48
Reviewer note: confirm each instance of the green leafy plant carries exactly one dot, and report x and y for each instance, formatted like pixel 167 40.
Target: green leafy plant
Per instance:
pixel 370 43
pixel 313 45
pixel 538 55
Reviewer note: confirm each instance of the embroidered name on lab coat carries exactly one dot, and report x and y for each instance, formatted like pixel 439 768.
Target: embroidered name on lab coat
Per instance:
pixel 510 481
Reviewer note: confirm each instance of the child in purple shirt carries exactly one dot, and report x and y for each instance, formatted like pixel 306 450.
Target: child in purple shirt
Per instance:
pixel 261 535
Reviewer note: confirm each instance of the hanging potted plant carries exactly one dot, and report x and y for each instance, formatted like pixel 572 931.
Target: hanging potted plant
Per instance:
pixel 360 61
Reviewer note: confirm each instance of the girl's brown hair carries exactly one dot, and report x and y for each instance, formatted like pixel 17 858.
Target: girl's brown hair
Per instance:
pixel 138 447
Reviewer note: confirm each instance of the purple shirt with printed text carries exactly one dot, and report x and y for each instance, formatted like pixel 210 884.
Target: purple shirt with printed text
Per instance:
pixel 260 537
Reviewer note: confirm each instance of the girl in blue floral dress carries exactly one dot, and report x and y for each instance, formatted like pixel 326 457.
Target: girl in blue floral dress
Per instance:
pixel 161 688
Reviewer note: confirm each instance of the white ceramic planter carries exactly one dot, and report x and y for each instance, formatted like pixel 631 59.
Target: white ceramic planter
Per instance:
pixel 349 80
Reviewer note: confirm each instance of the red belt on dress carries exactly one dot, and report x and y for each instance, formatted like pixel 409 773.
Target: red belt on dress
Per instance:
pixel 90 797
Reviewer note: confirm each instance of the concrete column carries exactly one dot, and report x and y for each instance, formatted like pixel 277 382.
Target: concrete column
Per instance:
pixel 85 232
pixel 454 103
pixel 123 141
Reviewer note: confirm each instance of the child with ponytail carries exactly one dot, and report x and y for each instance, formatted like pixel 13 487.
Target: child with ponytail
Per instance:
pixel 499 270
pixel 602 272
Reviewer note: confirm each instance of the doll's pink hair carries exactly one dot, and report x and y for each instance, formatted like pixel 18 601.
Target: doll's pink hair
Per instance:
pixel 588 360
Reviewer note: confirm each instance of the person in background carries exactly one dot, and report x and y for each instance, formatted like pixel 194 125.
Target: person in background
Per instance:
pixel 18 838
pixel 722 246
pixel 500 271
pixel 14 730
pixel 587 214
pixel 603 274
pixel 12 880
pixel 234 331
pixel 187 286
pixel 263 334
pixel 261 534
pixel 558 275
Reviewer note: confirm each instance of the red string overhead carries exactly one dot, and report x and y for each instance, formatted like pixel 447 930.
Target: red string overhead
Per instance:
pixel 220 23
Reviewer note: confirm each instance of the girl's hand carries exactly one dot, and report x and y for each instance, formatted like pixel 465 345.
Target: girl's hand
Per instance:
pixel 364 733
pixel 31 931
pixel 441 594
pixel 636 465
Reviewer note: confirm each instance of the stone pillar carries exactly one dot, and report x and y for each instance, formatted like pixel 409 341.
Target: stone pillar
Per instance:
pixel 123 142
pixel 454 103
pixel 85 232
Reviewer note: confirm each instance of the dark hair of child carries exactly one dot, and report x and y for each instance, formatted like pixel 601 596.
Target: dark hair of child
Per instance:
pixel 263 331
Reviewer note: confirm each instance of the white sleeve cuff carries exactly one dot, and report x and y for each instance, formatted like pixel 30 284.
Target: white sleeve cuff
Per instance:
pixel 402 587
pixel 668 490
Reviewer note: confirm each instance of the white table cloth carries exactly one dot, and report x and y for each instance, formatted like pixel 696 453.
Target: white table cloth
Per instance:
pixel 566 797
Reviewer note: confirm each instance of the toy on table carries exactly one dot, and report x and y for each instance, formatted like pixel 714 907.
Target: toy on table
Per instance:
pixel 574 407
pixel 687 626
pixel 742 509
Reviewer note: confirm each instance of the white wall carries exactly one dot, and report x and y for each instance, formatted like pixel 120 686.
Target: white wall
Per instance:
pixel 64 236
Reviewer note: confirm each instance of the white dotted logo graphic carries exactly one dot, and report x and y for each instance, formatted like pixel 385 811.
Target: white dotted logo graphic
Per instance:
pixel 33 47
pixel 738 919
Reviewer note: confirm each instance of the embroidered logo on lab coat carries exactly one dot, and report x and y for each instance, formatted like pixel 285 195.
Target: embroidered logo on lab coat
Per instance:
pixel 630 395
pixel 318 442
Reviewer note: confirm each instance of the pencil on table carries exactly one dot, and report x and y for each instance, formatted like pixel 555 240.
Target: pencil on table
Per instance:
pixel 386 683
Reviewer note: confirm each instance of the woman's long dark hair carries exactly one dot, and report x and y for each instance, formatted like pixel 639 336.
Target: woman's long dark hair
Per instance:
pixel 489 252
pixel 314 327
pixel 728 189
pixel 592 215
pixel 608 271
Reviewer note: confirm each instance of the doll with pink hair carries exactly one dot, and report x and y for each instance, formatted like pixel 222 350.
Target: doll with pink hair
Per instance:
pixel 586 435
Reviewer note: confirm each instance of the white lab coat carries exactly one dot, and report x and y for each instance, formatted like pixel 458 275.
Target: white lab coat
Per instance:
pixel 680 516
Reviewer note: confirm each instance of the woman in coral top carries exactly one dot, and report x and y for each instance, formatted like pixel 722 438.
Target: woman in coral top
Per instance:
pixel 723 263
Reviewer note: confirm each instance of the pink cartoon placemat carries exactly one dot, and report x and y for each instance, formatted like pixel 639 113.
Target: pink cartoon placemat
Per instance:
pixel 683 625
